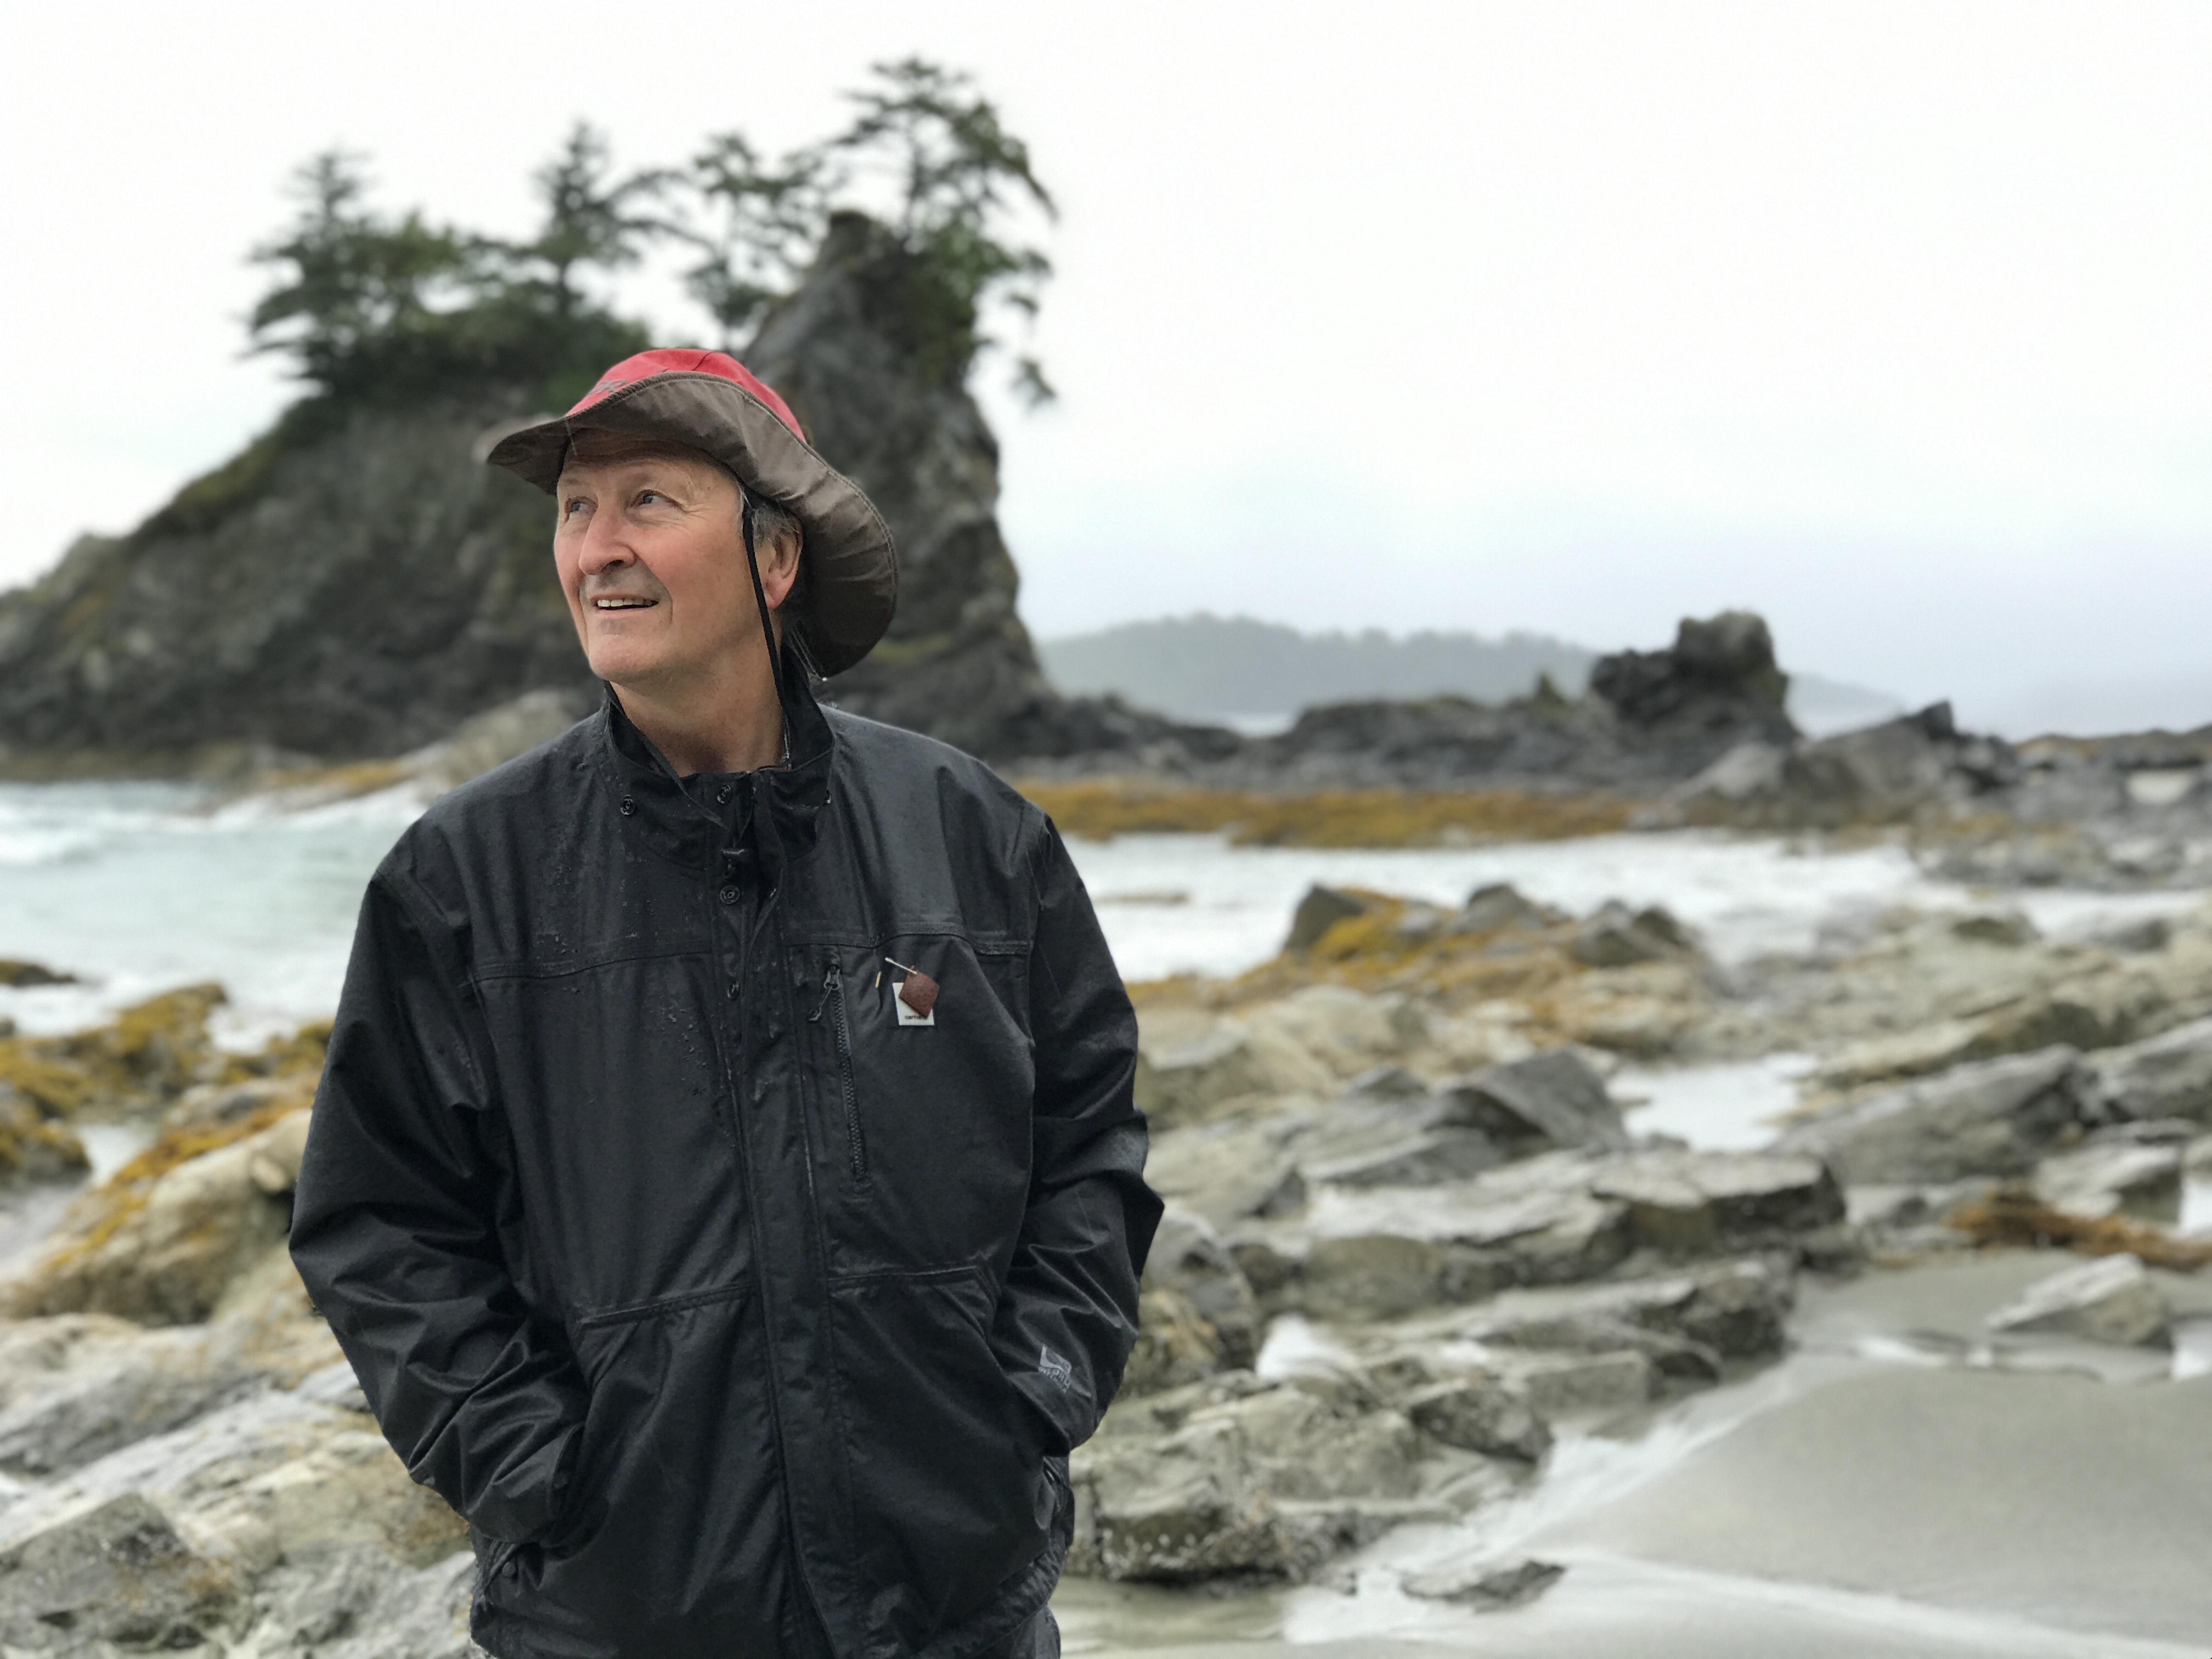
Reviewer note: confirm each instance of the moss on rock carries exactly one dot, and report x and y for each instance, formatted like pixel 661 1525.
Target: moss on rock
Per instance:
pixel 1102 809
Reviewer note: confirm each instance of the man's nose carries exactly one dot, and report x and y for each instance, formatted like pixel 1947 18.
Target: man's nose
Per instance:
pixel 604 546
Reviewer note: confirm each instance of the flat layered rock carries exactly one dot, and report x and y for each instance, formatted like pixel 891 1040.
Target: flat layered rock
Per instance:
pixel 1698 1203
pixel 1550 1100
pixel 2115 1174
pixel 76 1388
pixel 1424 1157
pixel 1995 1117
pixel 119 1573
pixel 1478 1413
pixel 1189 1259
pixel 2170 1076
pixel 1736 1311
pixel 1489 1587
pixel 1272 1480
pixel 2112 1299
pixel 166 1251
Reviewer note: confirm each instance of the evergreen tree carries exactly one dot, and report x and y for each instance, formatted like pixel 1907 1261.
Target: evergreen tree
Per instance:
pixel 760 225
pixel 593 218
pixel 352 284
pixel 369 305
pixel 959 175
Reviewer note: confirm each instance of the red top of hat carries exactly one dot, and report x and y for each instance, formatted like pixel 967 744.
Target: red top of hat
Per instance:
pixel 647 364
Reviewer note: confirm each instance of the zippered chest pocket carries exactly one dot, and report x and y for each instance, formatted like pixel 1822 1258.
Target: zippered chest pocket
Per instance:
pixel 839 1025
pixel 922 1100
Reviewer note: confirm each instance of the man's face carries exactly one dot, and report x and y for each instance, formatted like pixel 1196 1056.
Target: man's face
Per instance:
pixel 653 565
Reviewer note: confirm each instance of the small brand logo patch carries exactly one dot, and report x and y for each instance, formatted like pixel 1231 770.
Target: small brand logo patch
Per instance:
pixel 915 996
pixel 907 1016
pixel 1055 1367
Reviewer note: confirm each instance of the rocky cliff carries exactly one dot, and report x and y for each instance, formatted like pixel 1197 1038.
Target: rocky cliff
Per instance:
pixel 351 584
pixel 357 584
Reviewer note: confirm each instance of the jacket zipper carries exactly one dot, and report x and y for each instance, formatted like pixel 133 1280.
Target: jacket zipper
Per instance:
pixel 833 990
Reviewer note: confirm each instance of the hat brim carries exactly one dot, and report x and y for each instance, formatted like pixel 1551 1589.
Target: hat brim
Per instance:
pixel 851 591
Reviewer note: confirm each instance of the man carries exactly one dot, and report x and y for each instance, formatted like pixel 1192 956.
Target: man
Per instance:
pixel 726 1181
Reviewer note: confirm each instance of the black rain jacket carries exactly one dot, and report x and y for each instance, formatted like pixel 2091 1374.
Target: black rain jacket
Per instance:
pixel 739 1313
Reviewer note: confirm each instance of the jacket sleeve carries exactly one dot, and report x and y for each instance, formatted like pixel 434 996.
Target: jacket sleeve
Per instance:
pixel 393 1231
pixel 1067 1318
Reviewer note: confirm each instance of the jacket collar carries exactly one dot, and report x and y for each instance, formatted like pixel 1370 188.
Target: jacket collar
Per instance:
pixel 781 817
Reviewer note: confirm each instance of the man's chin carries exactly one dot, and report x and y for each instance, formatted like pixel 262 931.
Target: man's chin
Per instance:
pixel 625 669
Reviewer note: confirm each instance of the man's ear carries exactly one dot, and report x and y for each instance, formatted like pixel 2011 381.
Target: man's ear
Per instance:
pixel 779 568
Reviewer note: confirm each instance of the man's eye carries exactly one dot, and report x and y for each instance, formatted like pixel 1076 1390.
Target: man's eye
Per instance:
pixel 645 496
pixel 570 507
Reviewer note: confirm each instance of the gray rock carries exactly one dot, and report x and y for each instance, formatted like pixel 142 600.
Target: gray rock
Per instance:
pixel 1269 1481
pixel 219 1105
pixel 1736 1310
pixel 1427 1157
pixel 33 1147
pixel 1653 717
pixel 1486 1589
pixel 2170 1075
pixel 1321 909
pixel 1690 1203
pixel 1560 1385
pixel 356 1602
pixel 1175 1345
pixel 2007 927
pixel 1551 1099
pixel 2112 1299
pixel 1993 1118
pixel 1677 1358
pixel 2111 1173
pixel 1370 1276
pixel 2098 1010
pixel 1749 772
pixel 17 974
pixel 1718 686
pixel 1225 1172
pixel 1615 937
pixel 119 1573
pixel 1477 1413
pixel 198 1228
pixel 1188 1256
pixel 1384 1085
pixel 1885 772
pixel 2141 937
pixel 1184 1083
pixel 1533 1221
pixel 1500 907
pixel 75 1387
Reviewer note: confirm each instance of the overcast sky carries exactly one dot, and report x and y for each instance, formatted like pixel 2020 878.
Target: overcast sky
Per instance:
pixel 1892 322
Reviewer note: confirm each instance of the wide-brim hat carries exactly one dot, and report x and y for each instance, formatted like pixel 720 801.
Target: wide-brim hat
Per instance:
pixel 710 402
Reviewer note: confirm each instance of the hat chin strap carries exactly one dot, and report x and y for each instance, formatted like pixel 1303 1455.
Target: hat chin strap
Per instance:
pixel 768 628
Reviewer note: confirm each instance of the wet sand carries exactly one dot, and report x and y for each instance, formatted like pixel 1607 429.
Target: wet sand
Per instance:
pixel 1899 1486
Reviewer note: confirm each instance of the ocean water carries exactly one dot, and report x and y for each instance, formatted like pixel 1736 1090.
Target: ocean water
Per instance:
pixel 139 887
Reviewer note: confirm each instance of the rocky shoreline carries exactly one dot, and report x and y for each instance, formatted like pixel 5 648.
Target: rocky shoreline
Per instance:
pixel 1421 1248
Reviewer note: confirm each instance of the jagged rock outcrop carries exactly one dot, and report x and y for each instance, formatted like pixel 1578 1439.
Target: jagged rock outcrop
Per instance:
pixel 348 586
pixel 1651 720
pixel 856 351
pixel 356 583
pixel 1717 682
pixel 1887 773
